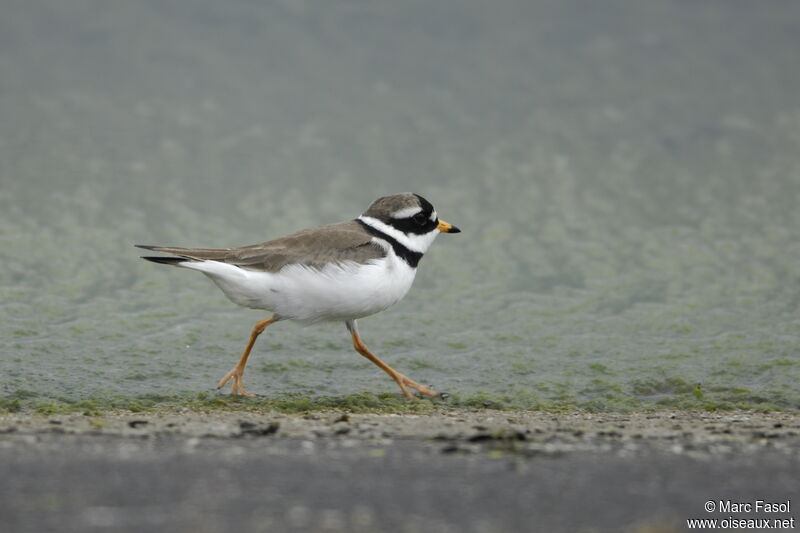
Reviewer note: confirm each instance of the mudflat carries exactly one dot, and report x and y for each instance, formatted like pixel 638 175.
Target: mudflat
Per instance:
pixel 450 470
pixel 531 432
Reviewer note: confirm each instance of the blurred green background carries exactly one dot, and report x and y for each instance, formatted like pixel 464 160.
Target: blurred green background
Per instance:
pixel 626 176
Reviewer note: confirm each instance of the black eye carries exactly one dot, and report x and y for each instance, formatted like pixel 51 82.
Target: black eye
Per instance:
pixel 420 219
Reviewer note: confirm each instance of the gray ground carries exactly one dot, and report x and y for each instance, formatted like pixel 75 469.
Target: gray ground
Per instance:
pixel 449 471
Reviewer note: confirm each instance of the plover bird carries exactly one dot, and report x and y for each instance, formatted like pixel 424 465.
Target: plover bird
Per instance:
pixel 342 271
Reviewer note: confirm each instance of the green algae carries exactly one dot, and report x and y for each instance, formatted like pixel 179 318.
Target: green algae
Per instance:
pixel 386 403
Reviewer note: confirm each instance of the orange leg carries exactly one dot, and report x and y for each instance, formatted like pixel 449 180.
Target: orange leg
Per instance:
pixel 399 378
pixel 237 372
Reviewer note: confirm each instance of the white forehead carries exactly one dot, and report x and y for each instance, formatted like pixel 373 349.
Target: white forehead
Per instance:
pixel 407 212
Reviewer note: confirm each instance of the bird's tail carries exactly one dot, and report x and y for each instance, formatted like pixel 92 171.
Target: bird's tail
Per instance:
pixel 174 260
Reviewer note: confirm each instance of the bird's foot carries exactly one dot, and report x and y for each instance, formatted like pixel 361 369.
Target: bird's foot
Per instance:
pixel 237 387
pixel 405 382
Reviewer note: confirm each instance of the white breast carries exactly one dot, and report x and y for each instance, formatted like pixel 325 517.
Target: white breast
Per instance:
pixel 342 291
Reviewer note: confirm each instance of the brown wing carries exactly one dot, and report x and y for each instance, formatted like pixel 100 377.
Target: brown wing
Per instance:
pixel 346 241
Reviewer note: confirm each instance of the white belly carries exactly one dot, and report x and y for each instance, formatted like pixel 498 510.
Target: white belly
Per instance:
pixel 344 291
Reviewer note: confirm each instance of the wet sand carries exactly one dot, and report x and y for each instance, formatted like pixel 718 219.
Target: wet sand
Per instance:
pixel 452 470
pixel 699 434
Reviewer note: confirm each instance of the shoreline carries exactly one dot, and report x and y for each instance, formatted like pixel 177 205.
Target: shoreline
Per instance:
pixel 699 434
pixel 334 471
